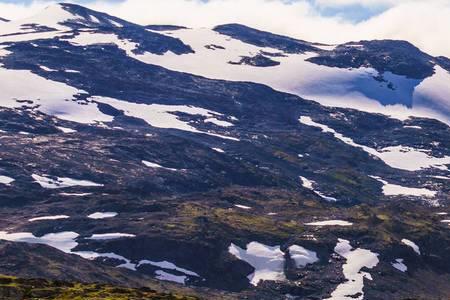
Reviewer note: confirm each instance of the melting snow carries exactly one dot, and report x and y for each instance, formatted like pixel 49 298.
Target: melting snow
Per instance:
pixel 47 96
pixel 168 266
pixel 62 182
pixel 446 221
pixel 162 116
pixel 75 194
pixel 330 223
pixel 47 69
pixel 161 275
pixel 309 185
pixel 219 122
pixel 242 206
pixel 399 265
pixel 154 165
pixel 93 255
pixel 102 215
pixel 218 150
pixel 302 256
pixel 400 157
pixel 412 245
pixel 6 180
pixel 356 260
pixel 63 241
pixel 66 130
pixel 267 261
pixel 59 217
pixel 398 190
pixel 411 159
pixel 110 236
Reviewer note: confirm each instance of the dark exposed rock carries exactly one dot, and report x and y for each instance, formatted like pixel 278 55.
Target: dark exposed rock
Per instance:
pixel 256 61
pixel 397 57
pixel 164 27
pixel 264 39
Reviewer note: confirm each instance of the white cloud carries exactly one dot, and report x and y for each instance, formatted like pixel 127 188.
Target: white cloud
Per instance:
pixel 425 23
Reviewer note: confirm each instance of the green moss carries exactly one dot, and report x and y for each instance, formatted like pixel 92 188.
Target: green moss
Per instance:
pixel 12 288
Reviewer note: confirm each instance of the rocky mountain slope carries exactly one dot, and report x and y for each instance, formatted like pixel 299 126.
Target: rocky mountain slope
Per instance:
pixel 134 155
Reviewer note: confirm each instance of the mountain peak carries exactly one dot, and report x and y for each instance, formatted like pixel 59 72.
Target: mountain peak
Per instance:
pixel 63 17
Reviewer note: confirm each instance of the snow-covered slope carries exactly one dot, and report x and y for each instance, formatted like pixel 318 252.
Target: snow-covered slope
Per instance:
pixel 358 88
pixel 238 53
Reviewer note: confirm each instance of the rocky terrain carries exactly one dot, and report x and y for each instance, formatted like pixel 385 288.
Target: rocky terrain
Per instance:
pixel 120 168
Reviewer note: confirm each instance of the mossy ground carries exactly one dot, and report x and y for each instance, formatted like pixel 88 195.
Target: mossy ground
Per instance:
pixel 12 288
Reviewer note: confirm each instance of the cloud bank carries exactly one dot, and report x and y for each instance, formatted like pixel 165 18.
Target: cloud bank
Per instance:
pixel 425 23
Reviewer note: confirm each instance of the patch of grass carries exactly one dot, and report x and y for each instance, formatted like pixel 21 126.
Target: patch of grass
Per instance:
pixel 12 288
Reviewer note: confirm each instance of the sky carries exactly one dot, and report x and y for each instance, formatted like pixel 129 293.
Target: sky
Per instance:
pixel 425 23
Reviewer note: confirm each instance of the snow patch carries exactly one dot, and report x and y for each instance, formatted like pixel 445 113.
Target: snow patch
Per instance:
pixel 242 206
pixel 62 182
pixel 75 194
pixel 6 180
pixel 218 150
pixel 156 166
pixel 50 218
pixel 66 130
pixel 63 241
pixel 90 255
pixel 164 276
pixel 47 69
pixel 411 244
pixel 267 261
pixel 102 215
pixel 330 223
pixel 110 236
pixel 168 266
pixel 399 265
pixel 302 256
pixel 398 190
pixel 162 116
pixel 356 259
pixel 309 184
